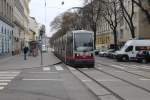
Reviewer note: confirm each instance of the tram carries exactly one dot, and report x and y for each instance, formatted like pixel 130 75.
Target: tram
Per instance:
pixel 76 48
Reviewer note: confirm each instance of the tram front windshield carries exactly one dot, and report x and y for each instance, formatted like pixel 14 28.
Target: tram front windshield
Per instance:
pixel 83 42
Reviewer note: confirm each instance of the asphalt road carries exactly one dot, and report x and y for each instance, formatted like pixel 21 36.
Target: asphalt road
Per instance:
pixel 29 81
pixel 109 80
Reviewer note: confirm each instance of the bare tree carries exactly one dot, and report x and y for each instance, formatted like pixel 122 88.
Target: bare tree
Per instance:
pixel 142 4
pixel 91 15
pixel 128 15
pixel 65 22
pixel 112 14
pixel 56 23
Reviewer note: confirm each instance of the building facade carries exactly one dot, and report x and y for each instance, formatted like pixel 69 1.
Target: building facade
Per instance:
pixel 21 21
pixel 6 26
pixel 33 32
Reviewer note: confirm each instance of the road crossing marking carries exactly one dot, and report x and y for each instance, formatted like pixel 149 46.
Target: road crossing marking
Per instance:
pixel 6 77
pixel 3 84
pixel 58 67
pixel 1 88
pixel 5 80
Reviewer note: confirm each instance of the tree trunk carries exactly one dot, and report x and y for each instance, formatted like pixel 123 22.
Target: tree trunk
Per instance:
pixel 94 38
pixel 133 33
pixel 115 39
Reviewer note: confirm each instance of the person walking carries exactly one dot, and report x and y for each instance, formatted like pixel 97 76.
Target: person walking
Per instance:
pixel 26 49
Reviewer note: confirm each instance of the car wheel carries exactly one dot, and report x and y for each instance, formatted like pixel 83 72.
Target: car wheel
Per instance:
pixel 144 61
pixel 125 58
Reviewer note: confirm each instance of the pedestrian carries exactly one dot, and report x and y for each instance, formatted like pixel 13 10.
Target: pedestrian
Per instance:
pixel 26 49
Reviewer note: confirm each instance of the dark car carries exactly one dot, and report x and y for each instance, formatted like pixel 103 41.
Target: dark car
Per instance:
pixel 143 56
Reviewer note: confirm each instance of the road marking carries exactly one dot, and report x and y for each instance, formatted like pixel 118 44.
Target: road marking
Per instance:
pixel 7 77
pixel 42 72
pixel 144 79
pixel 10 72
pixel 1 88
pixel 5 80
pixel 108 80
pixel 42 79
pixel 100 68
pixel 58 67
pixel 46 68
pixel 118 66
pixel 86 80
pixel 4 84
pixel 124 65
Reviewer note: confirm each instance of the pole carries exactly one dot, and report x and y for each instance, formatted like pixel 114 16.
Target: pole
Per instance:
pixel 41 52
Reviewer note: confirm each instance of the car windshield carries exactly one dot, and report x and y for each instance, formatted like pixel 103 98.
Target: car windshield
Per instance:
pixel 83 42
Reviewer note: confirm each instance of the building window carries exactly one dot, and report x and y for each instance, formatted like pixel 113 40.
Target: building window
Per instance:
pixel 2 30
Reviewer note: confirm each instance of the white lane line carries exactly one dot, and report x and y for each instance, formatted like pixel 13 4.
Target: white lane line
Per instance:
pixel 118 66
pixel 58 67
pixel 7 78
pixel 86 80
pixel 42 79
pixel 42 72
pixel 144 79
pixel 108 80
pixel 124 65
pixel 100 68
pixel 10 72
pixel 4 84
pixel 5 75
pixel 46 69
pixel 1 88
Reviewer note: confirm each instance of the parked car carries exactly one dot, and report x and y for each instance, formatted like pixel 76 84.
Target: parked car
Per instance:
pixel 111 53
pixel 103 53
pixel 131 48
pixel 143 56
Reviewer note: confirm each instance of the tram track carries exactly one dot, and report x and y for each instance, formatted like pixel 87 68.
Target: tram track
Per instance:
pixel 129 82
pixel 129 72
pixel 101 85
pixel 109 89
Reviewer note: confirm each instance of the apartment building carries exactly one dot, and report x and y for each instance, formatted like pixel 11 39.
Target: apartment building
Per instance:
pixel 33 32
pixel 21 21
pixel 6 25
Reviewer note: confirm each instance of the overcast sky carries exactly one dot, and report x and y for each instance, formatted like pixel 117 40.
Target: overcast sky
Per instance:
pixel 53 8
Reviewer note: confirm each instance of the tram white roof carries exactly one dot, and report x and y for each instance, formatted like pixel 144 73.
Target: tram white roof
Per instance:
pixel 82 31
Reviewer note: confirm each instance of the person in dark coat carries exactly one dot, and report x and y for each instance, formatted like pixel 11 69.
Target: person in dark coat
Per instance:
pixel 26 49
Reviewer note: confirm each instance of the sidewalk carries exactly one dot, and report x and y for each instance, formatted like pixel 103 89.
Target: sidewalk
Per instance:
pixel 18 62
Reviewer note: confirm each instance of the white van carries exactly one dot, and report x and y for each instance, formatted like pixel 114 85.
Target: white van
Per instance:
pixel 131 48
